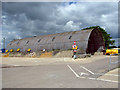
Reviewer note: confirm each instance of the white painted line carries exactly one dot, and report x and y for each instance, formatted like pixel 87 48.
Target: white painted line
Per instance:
pixel 82 77
pixel 82 73
pixel 112 75
pixel 105 80
pixel 73 71
pixel 108 80
pixel 107 74
pixel 86 69
pixel 92 78
pixel 16 65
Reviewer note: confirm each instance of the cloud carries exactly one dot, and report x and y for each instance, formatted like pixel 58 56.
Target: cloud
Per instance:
pixel 71 26
pixel 26 19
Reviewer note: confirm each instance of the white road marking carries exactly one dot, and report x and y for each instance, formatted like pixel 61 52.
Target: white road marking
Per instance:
pixel 107 74
pixel 73 71
pixel 16 65
pixel 92 73
pixel 82 73
pixel 86 69
pixel 92 78
pixel 82 77
pixel 106 80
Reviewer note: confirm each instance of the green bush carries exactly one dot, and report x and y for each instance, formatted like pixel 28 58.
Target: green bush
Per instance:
pixel 107 38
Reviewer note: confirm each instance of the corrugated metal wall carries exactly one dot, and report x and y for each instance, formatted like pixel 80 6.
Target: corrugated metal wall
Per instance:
pixel 62 41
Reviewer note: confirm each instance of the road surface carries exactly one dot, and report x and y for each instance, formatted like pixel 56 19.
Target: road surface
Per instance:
pixel 58 73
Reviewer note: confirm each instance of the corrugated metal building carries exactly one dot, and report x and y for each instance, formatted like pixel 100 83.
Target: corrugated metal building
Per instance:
pixel 89 41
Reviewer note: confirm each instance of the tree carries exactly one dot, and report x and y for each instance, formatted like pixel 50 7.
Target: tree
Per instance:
pixel 118 46
pixel 110 47
pixel 107 38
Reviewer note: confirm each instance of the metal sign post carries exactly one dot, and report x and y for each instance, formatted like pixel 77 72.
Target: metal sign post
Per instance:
pixel 74 47
pixel 110 61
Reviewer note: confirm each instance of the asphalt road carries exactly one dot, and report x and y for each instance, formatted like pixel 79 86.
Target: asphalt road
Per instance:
pixel 63 73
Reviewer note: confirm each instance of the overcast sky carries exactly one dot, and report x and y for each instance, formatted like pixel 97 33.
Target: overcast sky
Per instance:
pixel 39 18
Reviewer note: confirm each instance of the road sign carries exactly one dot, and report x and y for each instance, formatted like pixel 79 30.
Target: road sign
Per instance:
pixel 74 42
pixel 74 47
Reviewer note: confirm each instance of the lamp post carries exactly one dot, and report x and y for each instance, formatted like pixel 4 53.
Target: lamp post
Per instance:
pixel 3 46
pixel 3 43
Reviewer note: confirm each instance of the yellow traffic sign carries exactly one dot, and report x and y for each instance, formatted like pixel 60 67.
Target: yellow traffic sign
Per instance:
pixel 29 50
pixel 6 51
pixel 74 47
pixel 18 49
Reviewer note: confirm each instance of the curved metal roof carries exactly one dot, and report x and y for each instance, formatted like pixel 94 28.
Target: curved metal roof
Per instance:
pixel 53 41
